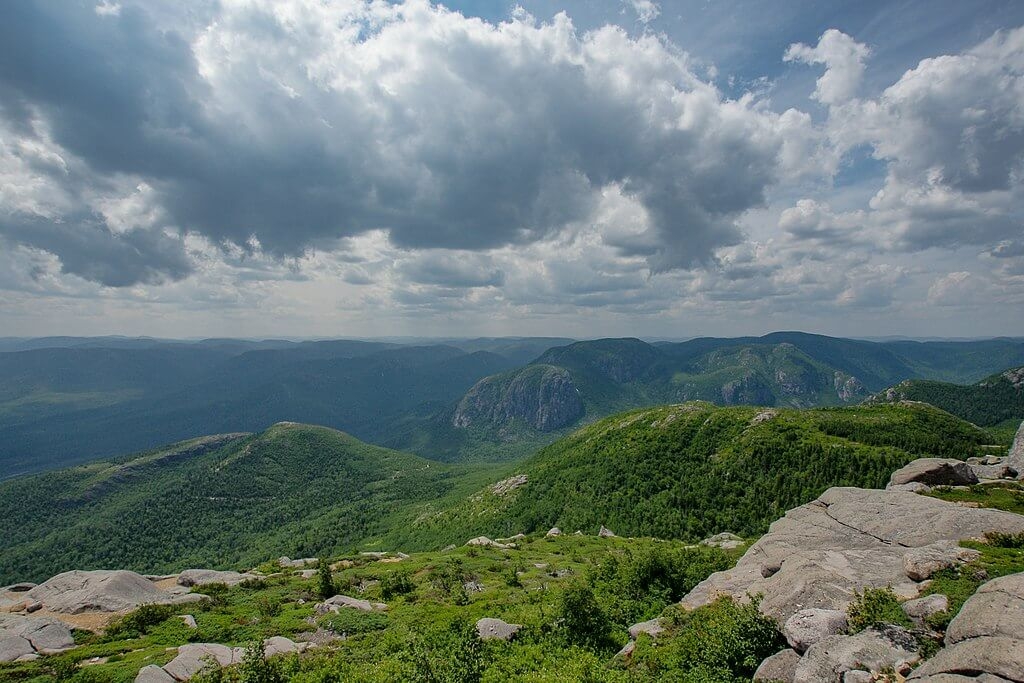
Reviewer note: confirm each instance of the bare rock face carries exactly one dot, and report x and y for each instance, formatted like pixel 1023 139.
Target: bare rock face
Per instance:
pixel 996 656
pixel 844 541
pixel 101 590
pixel 543 397
pixel 996 609
pixel 781 666
pixel 496 629
pixel 154 674
pixel 809 626
pixel 869 651
pixel 935 472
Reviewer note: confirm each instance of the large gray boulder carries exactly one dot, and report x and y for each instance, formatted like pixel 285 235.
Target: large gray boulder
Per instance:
pixel 781 666
pixel 496 629
pixel 994 655
pixel 336 603
pixel 918 609
pixel 871 650
pixel 194 657
pixel 203 577
pixel 844 541
pixel 13 646
pixel 154 674
pixel 996 609
pixel 935 472
pixel 98 591
pixel 808 626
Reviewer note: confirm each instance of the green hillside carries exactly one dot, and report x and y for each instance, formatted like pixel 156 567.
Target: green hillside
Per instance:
pixel 292 490
pixel 692 470
pixel 992 401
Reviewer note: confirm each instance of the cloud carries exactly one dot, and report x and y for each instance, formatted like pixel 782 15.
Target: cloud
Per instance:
pixel 646 10
pixel 843 58
pixel 300 123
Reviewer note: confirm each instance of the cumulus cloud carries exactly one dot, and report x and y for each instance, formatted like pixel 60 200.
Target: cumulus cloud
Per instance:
pixel 299 123
pixel 843 58
pixel 646 10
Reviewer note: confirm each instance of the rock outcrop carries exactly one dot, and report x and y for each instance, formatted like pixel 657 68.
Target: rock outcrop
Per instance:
pixel 542 397
pixel 1015 457
pixel 781 666
pixel 24 637
pixel 194 657
pixel 810 626
pixel 869 651
pixel 935 472
pixel 724 540
pixel 844 541
pixel 484 542
pixel 101 590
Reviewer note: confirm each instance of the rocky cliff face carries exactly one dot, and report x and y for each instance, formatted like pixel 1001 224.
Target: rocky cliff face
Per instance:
pixel 542 397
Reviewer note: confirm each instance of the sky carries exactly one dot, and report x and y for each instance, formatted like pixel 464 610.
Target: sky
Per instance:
pixel 602 168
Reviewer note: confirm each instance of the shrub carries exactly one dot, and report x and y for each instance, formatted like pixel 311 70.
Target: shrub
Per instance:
pixel 1001 540
pixel 722 642
pixel 325 586
pixel 267 607
pixel 875 607
pixel 351 622
pixel 396 583
pixel 140 622
pixel 581 619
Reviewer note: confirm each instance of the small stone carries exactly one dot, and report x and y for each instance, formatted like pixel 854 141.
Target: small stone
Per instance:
pixel 189 620
pixel 553 532
pixel 920 608
pixel 605 532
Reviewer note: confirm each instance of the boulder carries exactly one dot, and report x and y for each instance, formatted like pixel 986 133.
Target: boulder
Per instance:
pixel 920 608
pixel 995 609
pixel 724 540
pixel 484 542
pixel 994 471
pixel 808 626
pixel 781 666
pixel 97 591
pixel 605 532
pixel 13 646
pixel 844 541
pixel 286 562
pixel 994 655
pixel 496 629
pixel 45 635
pixel 333 604
pixel 858 676
pixel 202 577
pixel 193 657
pixel 279 645
pixel 920 563
pixel 871 650
pixel 553 532
pixel 912 487
pixel 957 678
pixel 153 674
pixel 652 628
pixel 1015 456
pixel 935 472
pixel 188 620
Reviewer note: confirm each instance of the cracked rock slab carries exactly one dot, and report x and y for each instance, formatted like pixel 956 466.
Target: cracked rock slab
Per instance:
pixel 844 541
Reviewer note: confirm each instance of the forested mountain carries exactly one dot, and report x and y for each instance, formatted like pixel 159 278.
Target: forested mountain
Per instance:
pixel 224 501
pixel 68 400
pixel 691 470
pixel 681 472
pixel 993 401
pixel 582 382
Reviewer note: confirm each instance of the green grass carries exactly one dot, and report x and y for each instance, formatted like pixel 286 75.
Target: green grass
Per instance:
pixel 627 579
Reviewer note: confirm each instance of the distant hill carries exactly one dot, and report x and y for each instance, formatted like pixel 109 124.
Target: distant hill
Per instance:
pixel 566 386
pixel 990 402
pixel 65 405
pixel 230 500
pixel 691 470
